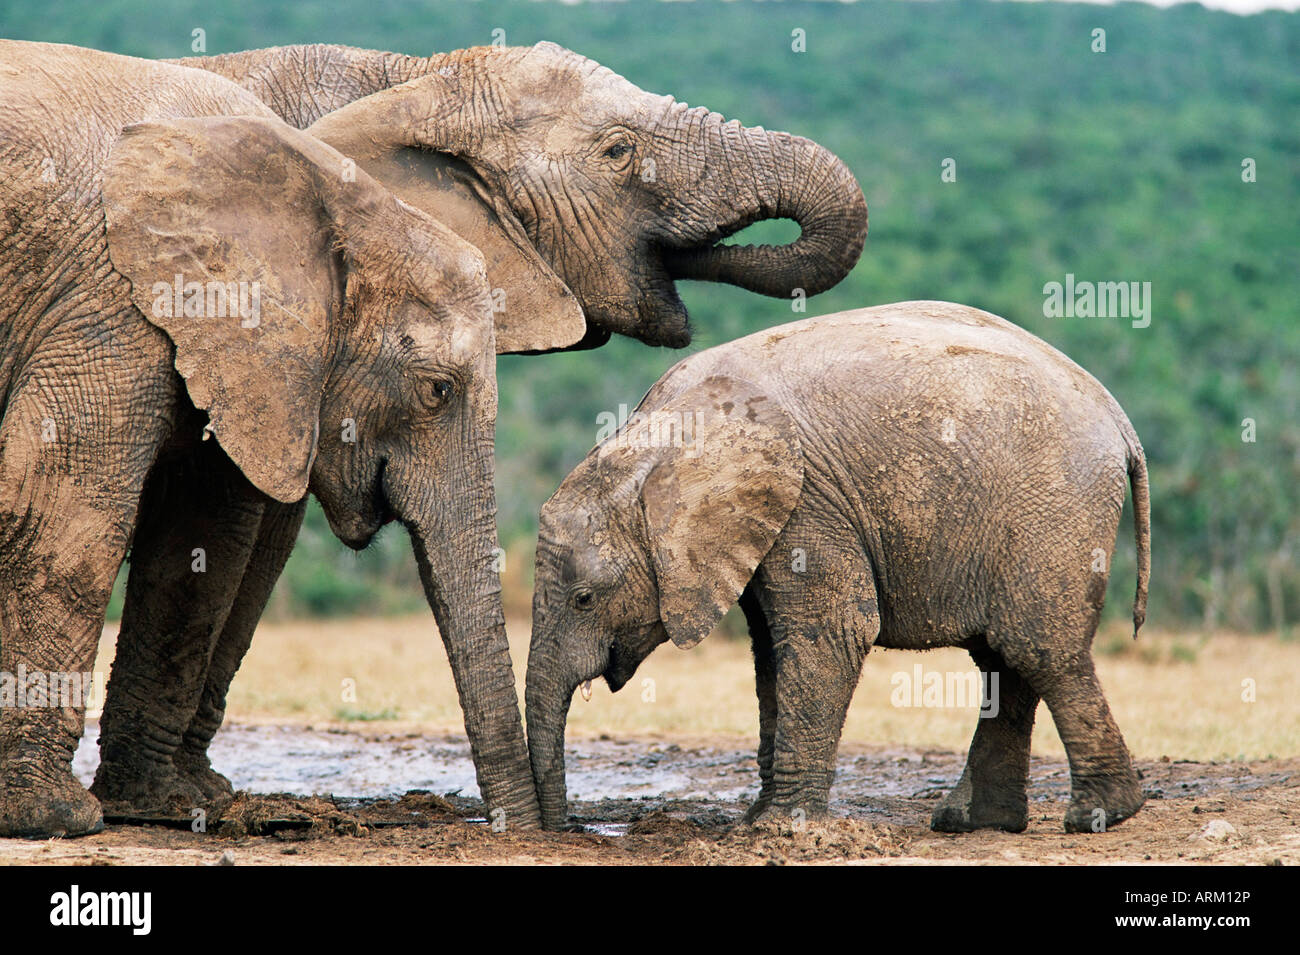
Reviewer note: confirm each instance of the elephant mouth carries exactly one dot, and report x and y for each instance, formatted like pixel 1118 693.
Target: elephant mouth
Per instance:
pixel 669 262
pixel 619 670
pixel 381 510
pixel 660 316
pixel 358 526
pixel 669 324
pixel 655 313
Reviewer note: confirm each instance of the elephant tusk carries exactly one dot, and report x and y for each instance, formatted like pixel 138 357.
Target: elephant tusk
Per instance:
pixel 585 689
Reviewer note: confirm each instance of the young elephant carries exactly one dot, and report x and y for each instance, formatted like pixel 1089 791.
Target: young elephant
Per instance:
pixel 915 475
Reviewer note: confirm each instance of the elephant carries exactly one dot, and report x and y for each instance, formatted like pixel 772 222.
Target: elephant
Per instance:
pixel 910 476
pixel 203 321
pixel 587 198
pixel 620 191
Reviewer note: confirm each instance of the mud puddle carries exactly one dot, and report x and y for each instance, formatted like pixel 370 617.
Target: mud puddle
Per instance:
pixel 601 772
pixel 613 783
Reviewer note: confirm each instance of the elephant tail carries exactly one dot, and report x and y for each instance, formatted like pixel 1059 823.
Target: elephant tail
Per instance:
pixel 1137 476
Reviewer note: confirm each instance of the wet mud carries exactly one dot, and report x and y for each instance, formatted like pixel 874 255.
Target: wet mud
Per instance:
pixel 310 795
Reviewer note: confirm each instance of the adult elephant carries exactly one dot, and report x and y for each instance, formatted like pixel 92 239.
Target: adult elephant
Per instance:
pixel 621 191
pixel 581 190
pixel 196 316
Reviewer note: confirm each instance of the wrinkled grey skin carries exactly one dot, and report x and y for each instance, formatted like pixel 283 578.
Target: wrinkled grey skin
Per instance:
pixel 620 190
pixel 534 126
pixel 123 429
pixel 912 476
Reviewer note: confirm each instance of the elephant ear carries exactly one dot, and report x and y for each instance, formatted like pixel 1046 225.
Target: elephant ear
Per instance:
pixel 383 134
pixel 220 227
pixel 716 499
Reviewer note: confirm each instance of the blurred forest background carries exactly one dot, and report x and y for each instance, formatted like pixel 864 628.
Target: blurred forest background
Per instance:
pixel 1125 165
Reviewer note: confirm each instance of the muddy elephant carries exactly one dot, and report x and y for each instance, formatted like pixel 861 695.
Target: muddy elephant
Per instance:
pixel 202 320
pixel 586 195
pixel 908 476
pixel 622 192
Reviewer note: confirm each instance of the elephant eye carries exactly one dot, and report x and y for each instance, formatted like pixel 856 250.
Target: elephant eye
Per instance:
pixel 618 150
pixel 583 599
pixel 438 393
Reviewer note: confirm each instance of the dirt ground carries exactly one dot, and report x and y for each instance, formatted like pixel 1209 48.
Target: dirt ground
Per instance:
pixel 661 772
pixel 1238 812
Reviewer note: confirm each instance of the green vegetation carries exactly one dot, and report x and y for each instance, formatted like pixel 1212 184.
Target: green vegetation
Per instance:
pixel 1116 166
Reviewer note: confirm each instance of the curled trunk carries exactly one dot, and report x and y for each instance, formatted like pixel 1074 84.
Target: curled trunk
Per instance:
pixel 772 175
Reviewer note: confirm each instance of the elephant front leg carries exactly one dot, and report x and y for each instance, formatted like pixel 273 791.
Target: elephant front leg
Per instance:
pixel 51 618
pixel 199 520
pixel 765 684
pixel 275 539
pixel 68 501
pixel 992 790
pixel 820 605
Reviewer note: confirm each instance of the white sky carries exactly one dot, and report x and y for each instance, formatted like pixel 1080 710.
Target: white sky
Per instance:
pixel 1233 6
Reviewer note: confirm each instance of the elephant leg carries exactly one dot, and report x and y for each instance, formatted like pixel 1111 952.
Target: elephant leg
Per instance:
pixel 992 790
pixel 1104 788
pixel 198 523
pixel 55 594
pixel 69 492
pixel 765 683
pixel 275 539
pixel 822 616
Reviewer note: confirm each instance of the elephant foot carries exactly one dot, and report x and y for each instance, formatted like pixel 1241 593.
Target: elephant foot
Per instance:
pixel 62 809
pixel 1100 804
pixel 196 769
pixel 754 812
pixel 152 791
pixel 961 812
pixel 785 820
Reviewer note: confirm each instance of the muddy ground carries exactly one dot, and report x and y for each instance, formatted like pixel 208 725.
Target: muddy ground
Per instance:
pixel 639 800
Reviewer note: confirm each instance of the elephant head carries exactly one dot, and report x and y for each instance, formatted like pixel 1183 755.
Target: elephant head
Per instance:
pixel 652 537
pixel 340 342
pixel 620 192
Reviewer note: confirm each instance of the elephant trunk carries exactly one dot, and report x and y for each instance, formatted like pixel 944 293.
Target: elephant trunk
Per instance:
pixel 548 694
pixel 547 708
pixel 458 570
pixel 772 175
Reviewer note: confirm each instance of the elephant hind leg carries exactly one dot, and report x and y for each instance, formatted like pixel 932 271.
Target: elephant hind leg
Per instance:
pixel 1104 788
pixel 199 519
pixel 992 790
pixel 275 539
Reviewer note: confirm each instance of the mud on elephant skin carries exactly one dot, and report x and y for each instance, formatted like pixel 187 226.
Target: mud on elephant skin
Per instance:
pixel 911 476
pixel 203 321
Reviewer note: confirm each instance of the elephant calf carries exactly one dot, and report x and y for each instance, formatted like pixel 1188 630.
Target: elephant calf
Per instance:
pixel 914 475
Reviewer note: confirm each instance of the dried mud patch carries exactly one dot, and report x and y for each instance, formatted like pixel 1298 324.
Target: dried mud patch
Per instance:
pixel 831 840
pixel 297 818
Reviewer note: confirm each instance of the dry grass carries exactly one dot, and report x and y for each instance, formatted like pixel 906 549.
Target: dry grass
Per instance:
pixel 1173 696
